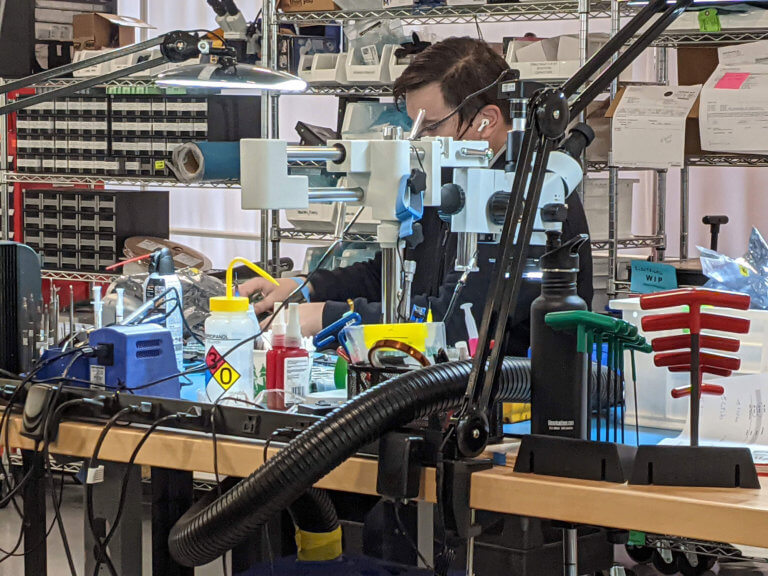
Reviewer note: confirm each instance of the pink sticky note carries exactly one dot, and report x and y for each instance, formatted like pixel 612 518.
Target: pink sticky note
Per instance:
pixel 732 80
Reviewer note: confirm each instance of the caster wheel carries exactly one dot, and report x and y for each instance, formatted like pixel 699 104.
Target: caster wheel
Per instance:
pixel 694 566
pixel 640 554
pixel 664 562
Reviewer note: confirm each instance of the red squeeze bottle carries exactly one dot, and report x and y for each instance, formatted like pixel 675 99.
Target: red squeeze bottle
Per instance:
pixel 275 388
pixel 287 363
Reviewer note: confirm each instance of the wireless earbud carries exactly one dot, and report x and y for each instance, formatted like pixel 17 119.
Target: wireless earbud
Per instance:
pixel 483 125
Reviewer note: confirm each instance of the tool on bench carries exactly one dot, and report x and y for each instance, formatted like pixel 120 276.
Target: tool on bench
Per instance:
pixel 683 353
pixel 592 328
pixel 330 334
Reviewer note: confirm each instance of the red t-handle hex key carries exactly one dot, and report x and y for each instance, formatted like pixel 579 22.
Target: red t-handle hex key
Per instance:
pixel 695 322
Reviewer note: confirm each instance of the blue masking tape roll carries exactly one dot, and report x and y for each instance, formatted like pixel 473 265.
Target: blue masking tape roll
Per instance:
pixel 201 161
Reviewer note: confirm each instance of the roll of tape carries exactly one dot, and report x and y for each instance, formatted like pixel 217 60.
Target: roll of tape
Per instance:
pixel 205 161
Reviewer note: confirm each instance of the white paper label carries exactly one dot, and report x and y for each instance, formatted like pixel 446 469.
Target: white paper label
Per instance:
pixel 99 375
pixel 186 259
pixel 149 245
pixel 370 55
pixel 649 126
pixel 297 375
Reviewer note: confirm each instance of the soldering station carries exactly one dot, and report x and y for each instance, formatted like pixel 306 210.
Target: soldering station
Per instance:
pixel 256 435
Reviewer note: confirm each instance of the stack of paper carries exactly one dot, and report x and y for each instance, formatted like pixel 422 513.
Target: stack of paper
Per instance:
pixel 738 418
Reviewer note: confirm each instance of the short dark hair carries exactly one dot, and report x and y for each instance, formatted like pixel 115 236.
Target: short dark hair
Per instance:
pixel 461 65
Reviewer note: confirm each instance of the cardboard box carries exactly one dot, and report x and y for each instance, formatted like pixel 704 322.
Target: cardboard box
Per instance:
pixel 695 64
pixel 306 5
pixel 98 30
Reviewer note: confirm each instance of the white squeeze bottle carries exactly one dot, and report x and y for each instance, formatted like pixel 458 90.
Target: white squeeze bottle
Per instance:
pixel 230 365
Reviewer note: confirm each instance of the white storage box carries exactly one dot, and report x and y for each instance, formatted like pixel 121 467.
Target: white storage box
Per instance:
pixel 96 69
pixel 550 58
pixel 319 69
pixel 316 218
pixel 370 74
pixel 398 65
pixel 655 406
pixel 322 218
pixel 596 206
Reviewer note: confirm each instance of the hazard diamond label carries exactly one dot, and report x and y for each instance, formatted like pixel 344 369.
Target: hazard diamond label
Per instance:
pixel 226 376
pixel 221 370
pixel 213 360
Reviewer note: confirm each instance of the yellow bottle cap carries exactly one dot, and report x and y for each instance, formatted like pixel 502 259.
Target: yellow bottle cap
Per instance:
pixel 234 304
pixel 230 303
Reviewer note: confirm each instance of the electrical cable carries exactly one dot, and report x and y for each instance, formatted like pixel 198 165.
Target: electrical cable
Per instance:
pixel 407 535
pixel 101 553
pixel 435 125
pixel 212 33
pixel 29 549
pixel 444 557
pixel 13 490
pixel 460 285
pixel 124 483
pixel 3 423
pixel 214 411
pixel 203 367
pixel 49 420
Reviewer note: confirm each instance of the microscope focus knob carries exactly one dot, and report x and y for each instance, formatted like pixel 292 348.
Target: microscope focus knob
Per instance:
pixel 497 207
pixel 554 213
pixel 452 200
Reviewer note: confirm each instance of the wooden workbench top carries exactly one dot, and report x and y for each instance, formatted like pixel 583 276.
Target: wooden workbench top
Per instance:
pixel 736 516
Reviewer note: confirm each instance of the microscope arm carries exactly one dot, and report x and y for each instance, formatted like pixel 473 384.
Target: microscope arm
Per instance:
pixel 547 115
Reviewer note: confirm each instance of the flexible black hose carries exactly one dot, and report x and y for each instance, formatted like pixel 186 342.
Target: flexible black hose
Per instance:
pixel 314 512
pixel 200 537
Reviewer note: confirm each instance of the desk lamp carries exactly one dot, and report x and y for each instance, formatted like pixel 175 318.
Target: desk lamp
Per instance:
pixel 178 46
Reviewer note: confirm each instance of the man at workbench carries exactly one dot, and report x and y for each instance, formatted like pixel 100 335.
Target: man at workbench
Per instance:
pixel 439 81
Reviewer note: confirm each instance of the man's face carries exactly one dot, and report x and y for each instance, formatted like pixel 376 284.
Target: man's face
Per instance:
pixel 430 98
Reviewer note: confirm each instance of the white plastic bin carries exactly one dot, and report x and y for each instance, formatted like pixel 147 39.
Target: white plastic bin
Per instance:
pixel 596 206
pixel 655 406
pixel 397 65
pixel 319 69
pixel 322 218
pixel 373 74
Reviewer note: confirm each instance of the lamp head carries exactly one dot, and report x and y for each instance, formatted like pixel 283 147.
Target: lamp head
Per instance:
pixel 227 73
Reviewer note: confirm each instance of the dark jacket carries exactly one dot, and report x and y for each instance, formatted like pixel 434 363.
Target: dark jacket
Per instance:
pixel 435 280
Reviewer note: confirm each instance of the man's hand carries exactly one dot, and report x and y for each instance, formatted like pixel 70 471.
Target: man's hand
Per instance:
pixel 271 292
pixel 311 316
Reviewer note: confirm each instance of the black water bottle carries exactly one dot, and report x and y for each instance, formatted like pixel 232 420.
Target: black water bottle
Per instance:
pixel 558 369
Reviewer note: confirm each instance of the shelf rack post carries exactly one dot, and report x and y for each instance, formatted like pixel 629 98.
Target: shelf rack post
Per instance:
pixel 684 211
pixel 613 180
pixel 584 6
pixel 5 187
pixel 660 191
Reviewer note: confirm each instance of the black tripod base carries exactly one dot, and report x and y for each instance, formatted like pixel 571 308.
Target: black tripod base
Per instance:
pixel 701 466
pixel 574 458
